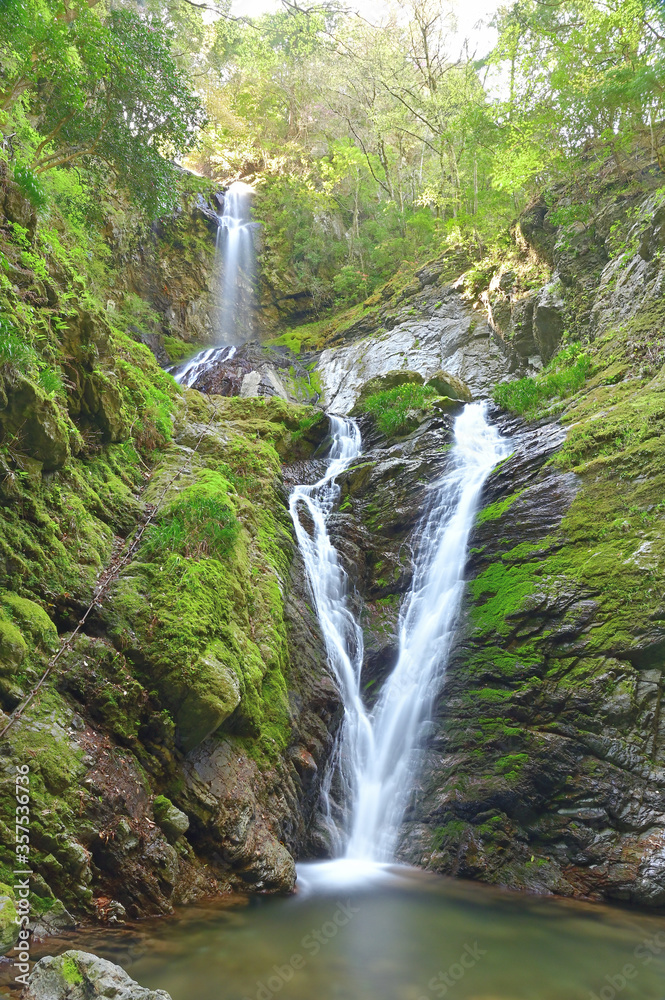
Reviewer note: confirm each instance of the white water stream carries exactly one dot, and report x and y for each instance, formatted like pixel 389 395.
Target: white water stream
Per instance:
pixel 236 261
pixel 234 268
pixel 377 753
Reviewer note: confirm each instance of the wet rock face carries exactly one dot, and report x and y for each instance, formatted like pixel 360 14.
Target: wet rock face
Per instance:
pixel 437 331
pixel 375 530
pixel 256 370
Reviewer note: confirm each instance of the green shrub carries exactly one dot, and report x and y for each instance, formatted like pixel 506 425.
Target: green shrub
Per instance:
pixel 390 408
pixel 13 347
pixel 563 376
pixel 29 185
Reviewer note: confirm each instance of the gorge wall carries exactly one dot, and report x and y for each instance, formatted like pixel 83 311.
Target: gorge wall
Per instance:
pixel 176 748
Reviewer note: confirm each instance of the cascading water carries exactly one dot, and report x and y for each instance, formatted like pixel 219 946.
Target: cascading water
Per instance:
pixel 200 363
pixel 377 752
pixel 236 263
pixel 234 271
pixel 342 634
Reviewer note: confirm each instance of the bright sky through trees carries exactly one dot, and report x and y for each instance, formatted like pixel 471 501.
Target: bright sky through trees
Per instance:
pixel 468 12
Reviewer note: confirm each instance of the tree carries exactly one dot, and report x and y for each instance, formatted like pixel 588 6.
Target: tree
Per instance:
pixel 103 87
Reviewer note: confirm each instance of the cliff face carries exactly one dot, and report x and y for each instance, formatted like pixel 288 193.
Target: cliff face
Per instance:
pixel 549 761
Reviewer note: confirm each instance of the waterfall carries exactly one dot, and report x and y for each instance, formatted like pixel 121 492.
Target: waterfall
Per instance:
pixel 190 371
pixel 342 634
pixel 235 262
pixel 377 752
pixel 234 274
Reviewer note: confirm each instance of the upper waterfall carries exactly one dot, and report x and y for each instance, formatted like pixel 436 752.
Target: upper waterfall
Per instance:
pixel 376 754
pixel 235 267
pixel 234 276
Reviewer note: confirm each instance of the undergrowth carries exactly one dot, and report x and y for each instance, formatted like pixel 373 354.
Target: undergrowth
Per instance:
pixel 200 522
pixel 391 407
pixel 562 376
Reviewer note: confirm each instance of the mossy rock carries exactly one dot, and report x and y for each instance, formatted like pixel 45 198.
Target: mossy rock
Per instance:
pixel 380 383
pixel 210 700
pixel 36 425
pixel 13 647
pixel 9 920
pixel 173 822
pixel 450 385
pixel 78 975
pixel 32 619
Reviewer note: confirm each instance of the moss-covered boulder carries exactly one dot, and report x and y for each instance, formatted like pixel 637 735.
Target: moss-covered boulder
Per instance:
pixel 78 975
pixel 208 703
pixel 13 647
pixel 9 920
pixel 450 385
pixel 33 423
pixel 171 820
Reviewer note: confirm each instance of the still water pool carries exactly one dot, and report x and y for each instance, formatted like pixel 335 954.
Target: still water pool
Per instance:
pixel 394 934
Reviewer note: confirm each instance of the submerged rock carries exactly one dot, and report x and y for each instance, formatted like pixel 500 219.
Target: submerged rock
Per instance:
pixel 78 975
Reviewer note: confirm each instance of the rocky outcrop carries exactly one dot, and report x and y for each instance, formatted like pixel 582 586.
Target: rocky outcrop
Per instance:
pixel 549 729
pixel 257 370
pixel 77 975
pixel 435 330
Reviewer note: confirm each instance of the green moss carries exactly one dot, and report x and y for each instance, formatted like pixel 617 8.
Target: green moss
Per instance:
pixel 391 408
pixel 201 614
pixel 32 619
pixel 494 511
pixel 453 830
pixel 70 970
pixel 13 647
pixel 510 765
pixel 178 350
pixel 308 337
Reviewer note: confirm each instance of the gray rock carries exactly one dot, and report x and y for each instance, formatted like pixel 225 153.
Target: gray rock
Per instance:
pixel 548 319
pixel 78 975
pixel 53 921
pixel 172 821
pixel 451 340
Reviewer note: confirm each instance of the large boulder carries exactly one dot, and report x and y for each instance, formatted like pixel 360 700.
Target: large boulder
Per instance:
pixel 449 385
pixel 78 975
pixel 35 423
